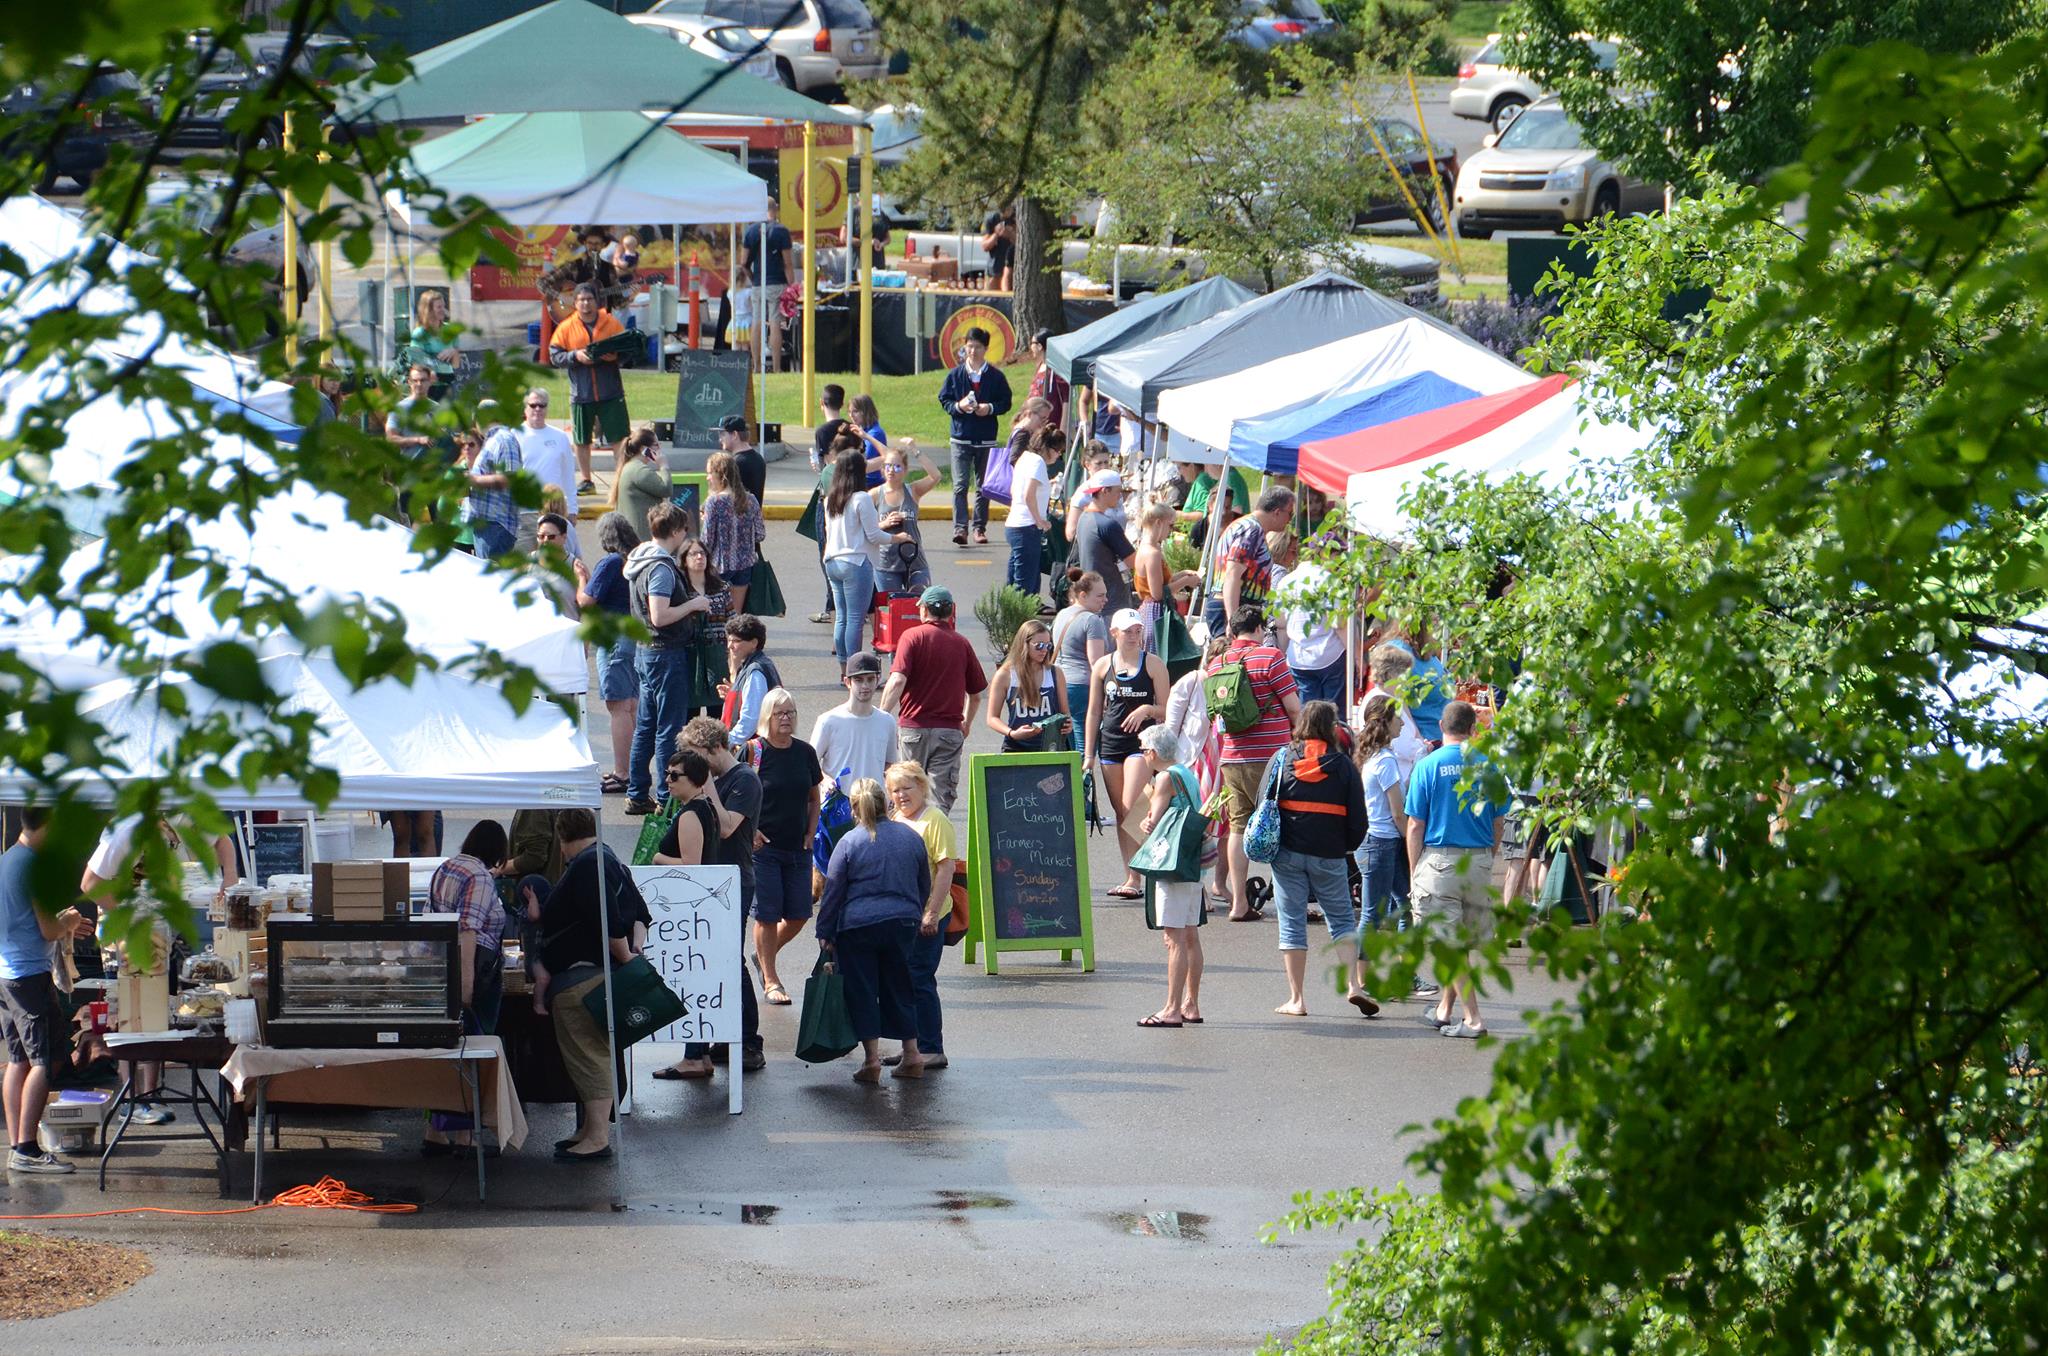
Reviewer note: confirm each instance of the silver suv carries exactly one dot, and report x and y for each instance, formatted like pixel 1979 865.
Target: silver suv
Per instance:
pixel 1541 175
pixel 1494 93
pixel 818 45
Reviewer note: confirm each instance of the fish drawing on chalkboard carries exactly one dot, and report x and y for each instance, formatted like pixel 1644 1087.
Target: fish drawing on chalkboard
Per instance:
pixel 1051 785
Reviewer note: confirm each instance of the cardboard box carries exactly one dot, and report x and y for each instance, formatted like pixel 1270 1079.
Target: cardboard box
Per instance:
pixel 73 1120
pixel 940 268
pixel 361 891
pixel 142 1001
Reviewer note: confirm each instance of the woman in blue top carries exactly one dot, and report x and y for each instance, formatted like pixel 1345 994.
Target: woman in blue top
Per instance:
pixel 605 588
pixel 866 420
pixel 875 892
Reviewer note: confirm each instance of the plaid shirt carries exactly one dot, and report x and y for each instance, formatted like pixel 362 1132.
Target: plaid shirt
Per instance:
pixel 500 456
pixel 465 887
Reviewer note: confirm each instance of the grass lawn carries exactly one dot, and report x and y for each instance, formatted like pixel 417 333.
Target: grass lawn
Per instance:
pixel 1452 290
pixel 1472 20
pixel 909 405
pixel 1483 257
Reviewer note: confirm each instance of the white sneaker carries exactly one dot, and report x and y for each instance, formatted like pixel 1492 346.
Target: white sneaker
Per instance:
pixel 154 1113
pixel 1463 1031
pixel 1431 1019
pixel 46 1165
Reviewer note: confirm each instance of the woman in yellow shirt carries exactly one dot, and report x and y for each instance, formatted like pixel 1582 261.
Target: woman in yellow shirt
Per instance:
pixel 910 793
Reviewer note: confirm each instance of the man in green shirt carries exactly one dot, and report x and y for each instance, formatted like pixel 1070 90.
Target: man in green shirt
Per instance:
pixel 1197 507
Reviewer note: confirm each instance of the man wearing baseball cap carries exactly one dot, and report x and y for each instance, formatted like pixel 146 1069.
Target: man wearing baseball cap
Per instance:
pixel 1100 543
pixel 931 690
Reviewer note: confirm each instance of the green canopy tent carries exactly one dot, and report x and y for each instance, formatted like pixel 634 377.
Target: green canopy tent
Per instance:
pixel 524 65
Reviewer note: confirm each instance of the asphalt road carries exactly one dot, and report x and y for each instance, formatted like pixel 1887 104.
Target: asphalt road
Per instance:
pixel 1072 1182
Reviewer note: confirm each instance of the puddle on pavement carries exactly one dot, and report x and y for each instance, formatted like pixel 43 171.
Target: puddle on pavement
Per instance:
pixel 759 1214
pixel 1181 1224
pixel 959 1202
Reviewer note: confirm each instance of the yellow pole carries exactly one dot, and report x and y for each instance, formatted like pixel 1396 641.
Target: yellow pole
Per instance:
pixel 810 282
pixel 867 261
pixel 291 250
pixel 326 253
pixel 1436 180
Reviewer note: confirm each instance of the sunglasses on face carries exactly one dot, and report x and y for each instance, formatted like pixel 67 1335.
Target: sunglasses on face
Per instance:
pixel 1041 645
pixel 672 775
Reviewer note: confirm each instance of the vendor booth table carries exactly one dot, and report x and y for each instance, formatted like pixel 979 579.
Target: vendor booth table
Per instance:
pixel 470 1078
pixel 199 1055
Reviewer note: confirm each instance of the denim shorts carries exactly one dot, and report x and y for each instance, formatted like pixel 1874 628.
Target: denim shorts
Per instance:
pixel 739 579
pixel 616 680
pixel 782 885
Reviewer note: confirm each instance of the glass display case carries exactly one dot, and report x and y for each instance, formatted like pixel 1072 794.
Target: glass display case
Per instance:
pixel 358 985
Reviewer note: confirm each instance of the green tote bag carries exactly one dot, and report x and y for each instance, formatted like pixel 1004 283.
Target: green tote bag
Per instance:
pixel 641 1003
pixel 824 1032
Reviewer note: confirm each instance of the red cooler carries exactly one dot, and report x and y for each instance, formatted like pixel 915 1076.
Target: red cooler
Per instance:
pixel 895 614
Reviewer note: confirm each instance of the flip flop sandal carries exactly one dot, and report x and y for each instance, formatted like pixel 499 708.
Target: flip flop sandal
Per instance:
pixel 1154 1021
pixel 1121 892
pixel 770 995
pixel 675 1075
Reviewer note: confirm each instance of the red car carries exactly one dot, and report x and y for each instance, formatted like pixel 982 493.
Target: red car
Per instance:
pixel 1405 145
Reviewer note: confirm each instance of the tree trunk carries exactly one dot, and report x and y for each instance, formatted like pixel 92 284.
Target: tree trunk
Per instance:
pixel 1037 276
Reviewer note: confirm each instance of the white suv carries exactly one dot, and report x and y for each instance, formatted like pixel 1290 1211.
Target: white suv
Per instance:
pixel 818 45
pixel 1493 93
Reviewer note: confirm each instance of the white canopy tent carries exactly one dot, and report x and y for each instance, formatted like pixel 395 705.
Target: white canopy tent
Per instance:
pixel 1201 418
pixel 542 168
pixel 1548 442
pixel 305 542
pixel 444 741
pixel 49 237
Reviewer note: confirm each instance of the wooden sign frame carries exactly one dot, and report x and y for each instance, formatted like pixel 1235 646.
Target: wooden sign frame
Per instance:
pixel 982 854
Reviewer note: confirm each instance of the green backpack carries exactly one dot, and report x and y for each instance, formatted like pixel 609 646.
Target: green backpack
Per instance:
pixel 1228 689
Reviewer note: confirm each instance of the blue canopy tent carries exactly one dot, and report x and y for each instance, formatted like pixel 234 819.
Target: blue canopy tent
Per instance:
pixel 1273 444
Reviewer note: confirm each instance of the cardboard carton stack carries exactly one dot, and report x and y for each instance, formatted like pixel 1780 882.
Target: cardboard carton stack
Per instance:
pixel 361 891
pixel 933 268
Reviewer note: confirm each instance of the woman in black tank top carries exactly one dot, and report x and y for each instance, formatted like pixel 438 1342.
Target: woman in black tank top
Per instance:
pixel 1126 692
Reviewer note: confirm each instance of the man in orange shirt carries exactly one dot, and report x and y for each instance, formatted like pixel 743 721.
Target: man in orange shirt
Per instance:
pixel 597 394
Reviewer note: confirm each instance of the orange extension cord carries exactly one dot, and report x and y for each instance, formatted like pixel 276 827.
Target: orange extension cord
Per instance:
pixel 329 1193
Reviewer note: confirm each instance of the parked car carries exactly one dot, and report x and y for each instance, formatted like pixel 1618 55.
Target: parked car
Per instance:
pixel 205 122
pixel 1540 174
pixel 817 45
pixel 716 39
pixel 1494 93
pixel 27 113
pixel 1409 152
pixel 1263 25
pixel 199 199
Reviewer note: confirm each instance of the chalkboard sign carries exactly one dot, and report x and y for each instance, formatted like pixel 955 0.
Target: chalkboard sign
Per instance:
pixel 1028 855
pixel 277 850
pixel 709 386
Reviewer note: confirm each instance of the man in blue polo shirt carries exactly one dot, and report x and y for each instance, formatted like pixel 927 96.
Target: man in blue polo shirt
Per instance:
pixel 1452 836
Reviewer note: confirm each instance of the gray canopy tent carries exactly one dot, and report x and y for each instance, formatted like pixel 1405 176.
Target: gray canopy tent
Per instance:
pixel 1075 354
pixel 1317 310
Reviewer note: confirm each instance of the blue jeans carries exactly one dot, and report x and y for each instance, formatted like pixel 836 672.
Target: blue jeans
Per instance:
pixel 664 706
pixel 1212 613
pixel 491 539
pixel 852 582
pixel 968 459
pixel 1294 875
pixel 1077 707
pixel 1384 864
pixel 1025 545
pixel 925 955
pixel 1322 685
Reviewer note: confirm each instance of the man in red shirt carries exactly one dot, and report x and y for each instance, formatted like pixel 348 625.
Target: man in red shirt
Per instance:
pixel 931 692
pixel 1246 753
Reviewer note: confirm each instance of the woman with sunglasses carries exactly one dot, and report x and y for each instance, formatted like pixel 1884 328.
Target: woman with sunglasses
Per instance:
pixel 1127 691
pixel 1027 693
pixel 903 568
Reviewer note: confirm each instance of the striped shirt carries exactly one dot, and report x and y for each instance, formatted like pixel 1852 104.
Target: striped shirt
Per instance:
pixel 1272 684
pixel 465 887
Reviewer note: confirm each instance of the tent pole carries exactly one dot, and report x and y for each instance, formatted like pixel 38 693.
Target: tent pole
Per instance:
pixel 611 1035
pixel 867 261
pixel 675 249
pixel 810 308
pixel 291 248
